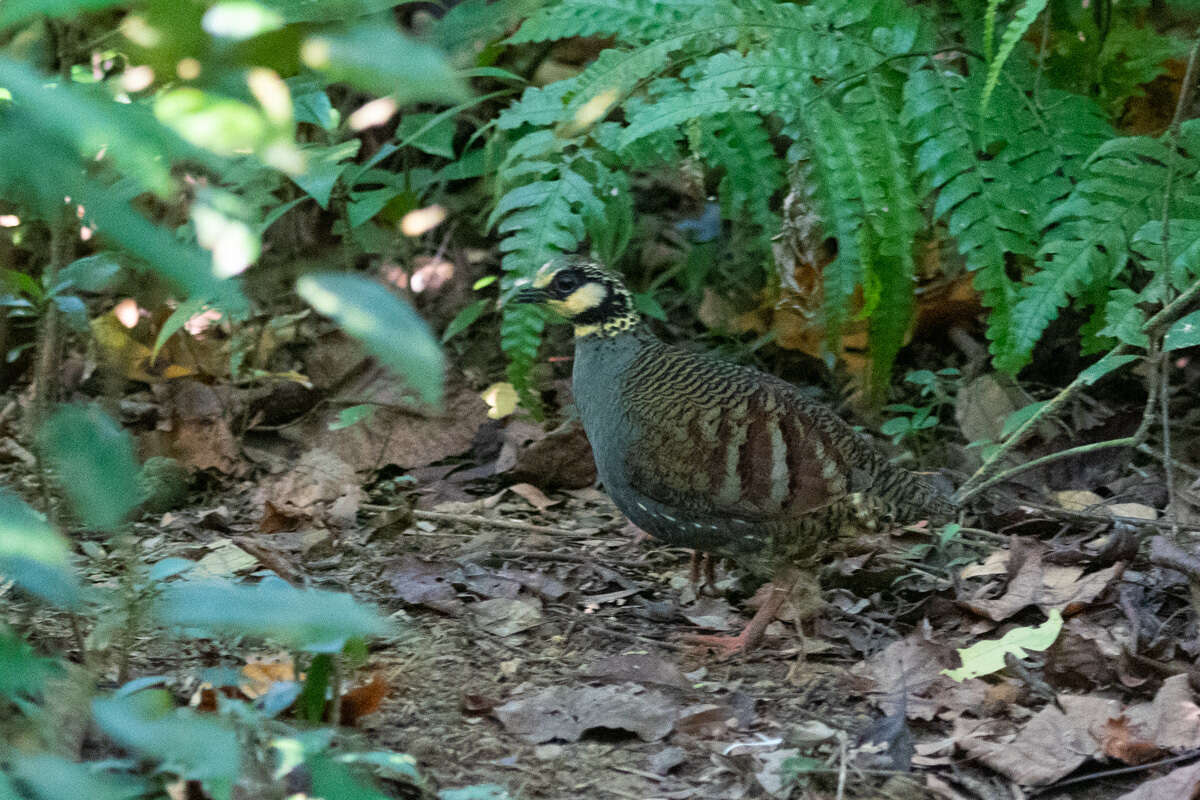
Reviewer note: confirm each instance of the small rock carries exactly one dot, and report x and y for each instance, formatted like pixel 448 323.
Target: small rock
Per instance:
pixel 548 752
pixel 666 760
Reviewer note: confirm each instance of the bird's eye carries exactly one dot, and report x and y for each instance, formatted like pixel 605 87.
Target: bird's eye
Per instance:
pixel 566 281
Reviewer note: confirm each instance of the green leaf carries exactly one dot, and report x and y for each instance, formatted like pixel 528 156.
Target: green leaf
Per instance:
pixel 14 11
pixel 1020 23
pixel 311 702
pixel 464 319
pixel 352 416
pixel 391 765
pixel 331 779
pixel 95 273
pixel 307 619
pixel 314 108
pixel 325 164
pixel 1104 366
pixel 194 746
pixel 385 324
pixel 55 778
pixel 481 791
pixel 179 317
pixel 23 672
pixel 1019 417
pixel 424 133
pixel 94 462
pixel 1184 333
pixel 984 658
pixel 380 59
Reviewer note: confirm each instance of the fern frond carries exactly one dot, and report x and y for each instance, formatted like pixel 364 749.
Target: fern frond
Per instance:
pixel 632 20
pixel 738 143
pixel 982 210
pixel 1021 22
pixel 1090 233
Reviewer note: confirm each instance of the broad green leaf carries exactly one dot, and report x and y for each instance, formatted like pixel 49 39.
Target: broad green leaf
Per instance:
pixel 34 555
pixel 380 59
pixel 325 164
pixel 387 325
pixel 195 746
pixel 331 779
pixel 464 319
pixel 95 273
pixel 984 658
pixel 314 108
pixel 1104 366
pixel 1184 333
pixel 56 778
pixel 1019 417
pixel 307 619
pixel 94 462
pixel 179 317
pixel 217 123
pixel 22 671
pixel 427 133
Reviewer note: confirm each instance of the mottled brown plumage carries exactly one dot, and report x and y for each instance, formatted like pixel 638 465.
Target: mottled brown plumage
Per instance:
pixel 711 455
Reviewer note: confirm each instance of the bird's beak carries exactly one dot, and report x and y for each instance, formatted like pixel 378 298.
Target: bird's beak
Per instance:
pixel 530 295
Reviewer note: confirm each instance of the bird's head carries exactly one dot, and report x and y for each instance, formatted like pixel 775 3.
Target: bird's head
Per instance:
pixel 584 294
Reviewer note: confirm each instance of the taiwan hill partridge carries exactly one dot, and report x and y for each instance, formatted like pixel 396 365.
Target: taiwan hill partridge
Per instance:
pixel 711 455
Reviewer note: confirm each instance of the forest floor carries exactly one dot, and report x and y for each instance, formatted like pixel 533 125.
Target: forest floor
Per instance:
pixel 542 644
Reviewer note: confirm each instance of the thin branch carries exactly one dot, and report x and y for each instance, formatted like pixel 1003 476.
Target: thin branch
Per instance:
pixel 1012 472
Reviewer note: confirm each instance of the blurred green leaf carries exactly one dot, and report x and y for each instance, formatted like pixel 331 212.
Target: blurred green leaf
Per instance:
pixel 314 108
pixel 34 555
pixel 986 657
pixel 386 763
pixel 95 273
pixel 1018 418
pixel 195 746
pixel 331 779
pixel 387 325
pixel 208 120
pixel 482 791
pixel 380 59
pixel 312 698
pixel 1104 366
pixel 55 778
pixel 14 11
pixel 94 461
pixel 22 671
pixel 240 19
pixel 326 10
pixel 325 164
pixel 307 619
pixel 424 133
pixel 464 319
pixel 353 415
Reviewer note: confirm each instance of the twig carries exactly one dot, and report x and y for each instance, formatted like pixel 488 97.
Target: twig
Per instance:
pixel 1179 465
pixel 1109 773
pixel 475 520
pixel 1012 472
pixel 1166 445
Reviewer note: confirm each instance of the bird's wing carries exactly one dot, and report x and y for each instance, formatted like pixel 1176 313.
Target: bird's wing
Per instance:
pixel 730 442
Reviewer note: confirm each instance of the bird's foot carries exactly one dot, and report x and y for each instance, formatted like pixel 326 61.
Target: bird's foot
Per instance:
pixel 726 647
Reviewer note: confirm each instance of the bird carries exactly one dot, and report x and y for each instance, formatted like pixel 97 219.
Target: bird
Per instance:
pixel 716 456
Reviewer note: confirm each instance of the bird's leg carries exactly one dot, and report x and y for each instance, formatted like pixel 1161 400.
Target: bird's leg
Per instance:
pixel 751 636
pixel 702 560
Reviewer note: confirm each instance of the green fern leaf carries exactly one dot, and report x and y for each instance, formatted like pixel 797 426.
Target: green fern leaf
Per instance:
pixel 1020 23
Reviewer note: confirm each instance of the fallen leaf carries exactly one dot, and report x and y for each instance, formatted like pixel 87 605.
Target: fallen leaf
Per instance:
pixel 504 616
pixel 501 399
pixel 426 583
pixel 1078 500
pixel 637 668
pixel 223 560
pixel 533 495
pixel 1119 740
pixel 566 713
pixel 363 699
pixel 984 658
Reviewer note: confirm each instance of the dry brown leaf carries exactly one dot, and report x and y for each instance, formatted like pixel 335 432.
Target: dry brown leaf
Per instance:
pixel 363 699
pixel 534 496
pixel 1049 747
pixel 1078 500
pixel 1047 586
pixel 1119 740
pixel 502 616
pixel 563 712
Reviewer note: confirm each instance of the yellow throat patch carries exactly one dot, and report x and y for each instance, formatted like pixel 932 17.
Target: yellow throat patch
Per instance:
pixel 585 298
